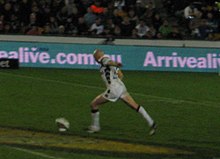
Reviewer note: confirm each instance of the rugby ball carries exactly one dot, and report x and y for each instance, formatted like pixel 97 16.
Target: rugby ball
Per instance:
pixel 62 124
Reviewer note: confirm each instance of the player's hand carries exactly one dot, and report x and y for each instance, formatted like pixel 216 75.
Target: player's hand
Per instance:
pixel 119 64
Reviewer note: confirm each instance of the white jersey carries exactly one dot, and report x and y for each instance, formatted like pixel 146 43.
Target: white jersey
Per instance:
pixel 115 87
pixel 109 73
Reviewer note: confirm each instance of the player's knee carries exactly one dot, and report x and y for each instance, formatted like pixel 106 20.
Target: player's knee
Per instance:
pixel 133 105
pixel 93 105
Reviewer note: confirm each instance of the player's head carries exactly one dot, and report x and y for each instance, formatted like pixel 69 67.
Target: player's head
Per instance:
pixel 98 54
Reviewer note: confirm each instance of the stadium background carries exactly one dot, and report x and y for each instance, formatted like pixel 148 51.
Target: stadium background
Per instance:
pixel 148 19
pixel 185 105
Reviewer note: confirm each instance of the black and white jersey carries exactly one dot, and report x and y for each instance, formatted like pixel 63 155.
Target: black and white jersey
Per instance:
pixel 109 73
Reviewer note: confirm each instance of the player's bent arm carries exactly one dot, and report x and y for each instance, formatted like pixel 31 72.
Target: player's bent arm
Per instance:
pixel 120 74
pixel 112 63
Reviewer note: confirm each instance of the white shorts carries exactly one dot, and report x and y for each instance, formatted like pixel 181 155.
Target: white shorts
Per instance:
pixel 113 93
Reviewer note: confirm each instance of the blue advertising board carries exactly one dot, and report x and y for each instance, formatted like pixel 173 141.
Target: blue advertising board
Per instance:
pixel 57 55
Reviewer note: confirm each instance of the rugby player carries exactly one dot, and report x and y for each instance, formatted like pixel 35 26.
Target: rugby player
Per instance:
pixel 112 76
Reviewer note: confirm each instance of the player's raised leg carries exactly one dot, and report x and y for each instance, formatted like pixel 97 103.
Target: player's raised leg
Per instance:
pixel 95 125
pixel 140 109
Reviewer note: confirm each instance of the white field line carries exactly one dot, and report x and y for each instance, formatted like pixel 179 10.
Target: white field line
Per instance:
pixel 39 154
pixel 156 98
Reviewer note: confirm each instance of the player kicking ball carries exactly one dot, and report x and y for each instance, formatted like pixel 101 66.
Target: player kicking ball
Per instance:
pixel 112 76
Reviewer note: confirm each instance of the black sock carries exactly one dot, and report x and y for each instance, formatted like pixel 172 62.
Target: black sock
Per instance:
pixel 95 110
pixel 138 108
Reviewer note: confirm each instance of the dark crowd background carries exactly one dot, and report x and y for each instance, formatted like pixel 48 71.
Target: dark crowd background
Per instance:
pixel 138 19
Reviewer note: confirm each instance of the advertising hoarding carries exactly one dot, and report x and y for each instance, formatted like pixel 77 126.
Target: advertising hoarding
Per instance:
pixel 58 55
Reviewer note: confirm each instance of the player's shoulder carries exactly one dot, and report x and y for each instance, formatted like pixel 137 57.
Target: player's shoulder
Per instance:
pixel 104 60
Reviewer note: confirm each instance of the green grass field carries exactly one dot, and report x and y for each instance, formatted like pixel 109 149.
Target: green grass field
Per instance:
pixel 186 107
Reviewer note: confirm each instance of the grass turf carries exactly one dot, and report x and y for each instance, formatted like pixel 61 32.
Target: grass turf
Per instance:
pixel 185 106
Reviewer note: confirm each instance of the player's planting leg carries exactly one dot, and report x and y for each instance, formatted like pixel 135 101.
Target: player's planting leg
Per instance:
pixel 95 125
